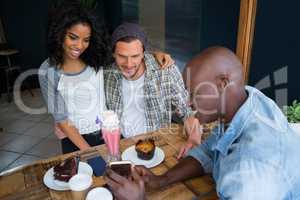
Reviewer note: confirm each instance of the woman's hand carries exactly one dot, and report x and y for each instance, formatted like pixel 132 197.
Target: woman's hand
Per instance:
pixel 163 59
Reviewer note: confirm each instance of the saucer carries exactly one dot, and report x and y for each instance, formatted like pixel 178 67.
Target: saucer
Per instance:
pixel 131 154
pixel 53 184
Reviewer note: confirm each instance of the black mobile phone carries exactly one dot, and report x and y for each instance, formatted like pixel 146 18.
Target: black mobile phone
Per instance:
pixel 123 168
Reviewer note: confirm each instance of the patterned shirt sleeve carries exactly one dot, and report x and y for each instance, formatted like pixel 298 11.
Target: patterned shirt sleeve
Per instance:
pixel 111 87
pixel 179 93
pixel 48 80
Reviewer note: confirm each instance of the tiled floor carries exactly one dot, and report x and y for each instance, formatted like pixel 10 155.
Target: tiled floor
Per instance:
pixel 25 137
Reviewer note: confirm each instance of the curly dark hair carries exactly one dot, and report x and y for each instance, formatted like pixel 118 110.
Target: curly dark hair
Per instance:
pixel 61 19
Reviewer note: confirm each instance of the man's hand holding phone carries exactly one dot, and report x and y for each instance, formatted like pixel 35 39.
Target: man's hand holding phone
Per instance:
pixel 122 168
pixel 124 184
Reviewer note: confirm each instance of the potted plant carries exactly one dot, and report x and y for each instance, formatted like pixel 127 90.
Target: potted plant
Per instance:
pixel 292 113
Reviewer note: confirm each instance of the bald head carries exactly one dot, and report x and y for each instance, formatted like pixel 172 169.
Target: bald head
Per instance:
pixel 207 77
pixel 214 62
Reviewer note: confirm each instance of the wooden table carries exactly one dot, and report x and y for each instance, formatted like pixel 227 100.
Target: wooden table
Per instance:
pixel 27 182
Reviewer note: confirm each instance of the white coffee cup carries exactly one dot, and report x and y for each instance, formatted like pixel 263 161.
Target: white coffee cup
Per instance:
pixel 79 185
pixel 99 193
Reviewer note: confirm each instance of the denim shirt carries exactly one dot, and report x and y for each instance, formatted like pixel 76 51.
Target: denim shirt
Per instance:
pixel 258 156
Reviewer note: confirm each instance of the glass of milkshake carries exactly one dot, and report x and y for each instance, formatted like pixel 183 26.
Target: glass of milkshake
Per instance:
pixel 111 134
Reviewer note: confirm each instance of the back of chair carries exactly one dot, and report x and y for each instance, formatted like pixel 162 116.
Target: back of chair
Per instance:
pixel 3 41
pixel 2 35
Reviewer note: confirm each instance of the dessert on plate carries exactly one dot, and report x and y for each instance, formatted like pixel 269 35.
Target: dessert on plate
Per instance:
pixel 66 169
pixel 145 149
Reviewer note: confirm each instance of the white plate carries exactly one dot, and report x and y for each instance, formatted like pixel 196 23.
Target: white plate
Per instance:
pixel 131 154
pixel 53 184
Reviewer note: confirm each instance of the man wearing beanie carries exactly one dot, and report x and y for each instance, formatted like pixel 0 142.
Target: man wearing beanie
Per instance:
pixel 142 94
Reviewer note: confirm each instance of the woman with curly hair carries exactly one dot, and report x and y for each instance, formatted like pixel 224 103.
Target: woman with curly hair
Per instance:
pixel 71 79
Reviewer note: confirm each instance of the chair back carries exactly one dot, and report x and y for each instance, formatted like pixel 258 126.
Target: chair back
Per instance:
pixel 3 41
pixel 2 35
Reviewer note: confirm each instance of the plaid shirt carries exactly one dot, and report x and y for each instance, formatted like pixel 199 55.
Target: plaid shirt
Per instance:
pixel 163 90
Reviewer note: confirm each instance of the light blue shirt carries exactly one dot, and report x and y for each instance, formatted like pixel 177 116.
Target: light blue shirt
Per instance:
pixel 258 156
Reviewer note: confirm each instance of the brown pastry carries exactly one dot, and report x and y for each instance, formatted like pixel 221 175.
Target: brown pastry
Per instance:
pixel 66 169
pixel 145 149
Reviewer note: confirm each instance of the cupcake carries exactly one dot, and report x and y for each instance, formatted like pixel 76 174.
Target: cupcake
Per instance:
pixel 145 149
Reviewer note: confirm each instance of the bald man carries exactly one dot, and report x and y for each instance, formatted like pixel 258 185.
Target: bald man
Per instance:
pixel 252 154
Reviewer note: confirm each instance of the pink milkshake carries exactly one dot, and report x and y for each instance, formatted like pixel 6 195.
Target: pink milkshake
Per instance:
pixel 111 134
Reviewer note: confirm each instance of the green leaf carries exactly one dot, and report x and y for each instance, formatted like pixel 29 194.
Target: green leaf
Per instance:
pixel 294 103
pixel 292 112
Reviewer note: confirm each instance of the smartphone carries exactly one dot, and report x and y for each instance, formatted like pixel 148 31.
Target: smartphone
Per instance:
pixel 98 165
pixel 123 168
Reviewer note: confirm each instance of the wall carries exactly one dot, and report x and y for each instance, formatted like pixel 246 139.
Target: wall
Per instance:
pixel 219 23
pixel 25 24
pixel 186 27
pixel 275 66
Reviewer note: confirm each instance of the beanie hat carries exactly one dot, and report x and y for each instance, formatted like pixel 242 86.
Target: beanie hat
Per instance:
pixel 129 30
